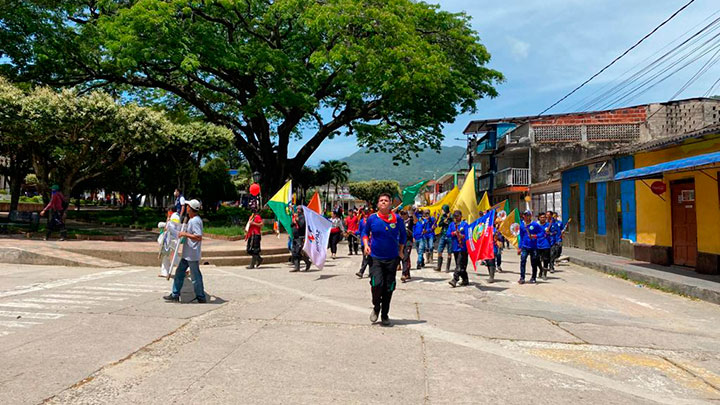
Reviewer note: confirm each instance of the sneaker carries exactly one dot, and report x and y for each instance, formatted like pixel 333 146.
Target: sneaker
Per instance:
pixel 199 300
pixel 521 281
pixel 385 320
pixel 373 316
pixel 464 283
pixel 171 298
pixel 499 269
pixel 544 277
pixel 452 283
pixel 533 281
pixel 359 275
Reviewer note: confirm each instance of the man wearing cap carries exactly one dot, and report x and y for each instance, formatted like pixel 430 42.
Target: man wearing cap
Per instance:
pixel 191 256
pixel 57 207
pixel 528 246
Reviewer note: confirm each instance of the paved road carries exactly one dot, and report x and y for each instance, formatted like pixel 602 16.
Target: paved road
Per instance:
pixel 94 335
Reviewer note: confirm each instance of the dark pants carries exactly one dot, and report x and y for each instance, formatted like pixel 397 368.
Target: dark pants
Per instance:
pixel 298 253
pixel 498 258
pixel 253 246
pixel 544 258
pixel 352 243
pixel 461 262
pixel 382 283
pixel 366 261
pixel 56 223
pixel 335 238
pixel 555 253
pixel 406 259
pixel 533 254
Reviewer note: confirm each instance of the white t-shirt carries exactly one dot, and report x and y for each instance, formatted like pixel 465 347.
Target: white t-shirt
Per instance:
pixel 191 248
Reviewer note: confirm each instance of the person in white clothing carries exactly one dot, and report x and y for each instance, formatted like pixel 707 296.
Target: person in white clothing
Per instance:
pixel 168 241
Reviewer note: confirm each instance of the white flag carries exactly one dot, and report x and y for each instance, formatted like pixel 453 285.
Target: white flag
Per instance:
pixel 317 236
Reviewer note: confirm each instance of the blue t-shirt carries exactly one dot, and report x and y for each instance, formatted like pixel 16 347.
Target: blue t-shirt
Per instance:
pixel 457 244
pixel 430 228
pixel 560 227
pixel 525 231
pixel 361 226
pixel 544 240
pixel 385 237
pixel 419 229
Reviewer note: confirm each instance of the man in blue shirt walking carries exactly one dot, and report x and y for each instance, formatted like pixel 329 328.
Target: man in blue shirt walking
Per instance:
pixel 384 239
pixel 544 243
pixel 528 246
pixel 456 232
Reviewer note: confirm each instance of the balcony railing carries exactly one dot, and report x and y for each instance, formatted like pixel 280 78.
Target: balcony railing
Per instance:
pixel 484 184
pixel 512 176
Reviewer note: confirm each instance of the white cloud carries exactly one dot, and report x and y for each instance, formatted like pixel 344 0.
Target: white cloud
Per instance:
pixel 518 48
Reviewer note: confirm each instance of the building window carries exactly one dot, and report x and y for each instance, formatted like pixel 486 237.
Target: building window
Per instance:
pixel 547 202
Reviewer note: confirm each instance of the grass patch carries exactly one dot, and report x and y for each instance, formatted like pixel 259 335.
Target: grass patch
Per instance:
pixel 229 230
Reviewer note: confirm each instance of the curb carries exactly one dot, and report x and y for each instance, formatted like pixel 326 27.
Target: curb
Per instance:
pixel 692 291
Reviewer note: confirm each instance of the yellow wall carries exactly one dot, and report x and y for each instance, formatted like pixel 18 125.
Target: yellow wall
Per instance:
pixel 654 215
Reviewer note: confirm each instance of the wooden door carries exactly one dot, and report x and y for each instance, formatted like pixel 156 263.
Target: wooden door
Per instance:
pixel 573 227
pixel 590 215
pixel 684 223
pixel 613 224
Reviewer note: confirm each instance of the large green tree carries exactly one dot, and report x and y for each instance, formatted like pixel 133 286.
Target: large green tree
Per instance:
pixel 390 72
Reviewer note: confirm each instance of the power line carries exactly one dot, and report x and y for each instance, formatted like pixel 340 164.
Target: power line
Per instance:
pixel 708 93
pixel 709 64
pixel 619 57
pixel 594 98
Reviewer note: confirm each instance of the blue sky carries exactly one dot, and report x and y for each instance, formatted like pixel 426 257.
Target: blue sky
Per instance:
pixel 545 48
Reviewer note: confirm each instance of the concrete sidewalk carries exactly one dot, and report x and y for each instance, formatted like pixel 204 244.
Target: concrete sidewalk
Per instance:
pixel 676 279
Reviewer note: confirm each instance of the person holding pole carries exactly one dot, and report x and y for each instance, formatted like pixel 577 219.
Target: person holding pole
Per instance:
pixel 191 256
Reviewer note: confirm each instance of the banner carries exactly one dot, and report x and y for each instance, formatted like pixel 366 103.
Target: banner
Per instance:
pixel 317 236
pixel 467 201
pixel 510 228
pixel 314 203
pixel 480 238
pixel 280 205
pixel 409 193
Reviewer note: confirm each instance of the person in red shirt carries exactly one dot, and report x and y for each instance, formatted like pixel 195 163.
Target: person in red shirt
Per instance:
pixel 253 238
pixel 57 207
pixel 351 226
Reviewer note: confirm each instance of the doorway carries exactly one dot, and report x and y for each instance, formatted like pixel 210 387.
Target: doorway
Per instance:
pixel 574 214
pixel 613 217
pixel 684 223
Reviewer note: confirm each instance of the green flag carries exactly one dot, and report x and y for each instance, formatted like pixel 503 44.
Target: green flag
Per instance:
pixel 280 205
pixel 409 193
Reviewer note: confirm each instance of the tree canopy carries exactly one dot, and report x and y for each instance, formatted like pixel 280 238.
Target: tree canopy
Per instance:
pixel 391 72
pixel 369 191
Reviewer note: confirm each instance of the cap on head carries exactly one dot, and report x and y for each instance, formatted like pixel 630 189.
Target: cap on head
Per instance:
pixel 55 187
pixel 194 204
pixel 527 212
pixel 446 208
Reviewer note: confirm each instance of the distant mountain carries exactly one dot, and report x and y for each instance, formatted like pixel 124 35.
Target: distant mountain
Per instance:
pixel 428 164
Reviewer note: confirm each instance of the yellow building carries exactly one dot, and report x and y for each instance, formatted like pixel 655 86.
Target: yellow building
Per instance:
pixel 678 201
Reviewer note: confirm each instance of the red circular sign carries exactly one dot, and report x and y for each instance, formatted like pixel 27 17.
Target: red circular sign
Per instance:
pixel 255 189
pixel 658 187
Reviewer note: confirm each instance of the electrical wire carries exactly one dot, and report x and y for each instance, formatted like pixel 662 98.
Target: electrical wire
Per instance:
pixel 618 58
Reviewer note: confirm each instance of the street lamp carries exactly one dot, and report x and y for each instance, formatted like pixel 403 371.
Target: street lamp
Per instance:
pixel 256 176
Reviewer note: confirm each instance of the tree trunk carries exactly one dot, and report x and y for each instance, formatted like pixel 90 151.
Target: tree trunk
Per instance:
pixel 15 185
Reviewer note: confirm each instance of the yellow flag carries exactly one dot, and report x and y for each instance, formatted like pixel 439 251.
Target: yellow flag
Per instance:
pixel 449 199
pixel 510 228
pixel 466 201
pixel 484 203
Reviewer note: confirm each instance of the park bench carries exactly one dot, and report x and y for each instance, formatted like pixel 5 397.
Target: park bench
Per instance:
pixel 30 220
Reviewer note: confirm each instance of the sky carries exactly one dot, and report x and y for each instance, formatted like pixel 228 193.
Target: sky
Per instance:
pixel 545 48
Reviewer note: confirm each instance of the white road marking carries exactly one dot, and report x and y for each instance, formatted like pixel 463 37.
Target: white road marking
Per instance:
pixel 92 288
pixel 103 293
pixel 61 283
pixel 85 297
pixel 39 306
pixel 488 346
pixel 57 301
pixel 30 315
pixel 15 324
